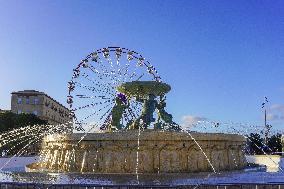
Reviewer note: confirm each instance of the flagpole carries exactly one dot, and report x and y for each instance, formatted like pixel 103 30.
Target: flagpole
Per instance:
pixel 265 127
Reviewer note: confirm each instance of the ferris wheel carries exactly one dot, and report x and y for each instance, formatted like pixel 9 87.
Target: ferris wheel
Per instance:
pixel 93 88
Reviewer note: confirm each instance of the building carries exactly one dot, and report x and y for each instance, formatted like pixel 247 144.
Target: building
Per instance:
pixel 40 104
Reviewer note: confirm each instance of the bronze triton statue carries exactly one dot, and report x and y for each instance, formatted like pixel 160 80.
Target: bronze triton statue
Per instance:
pixel 145 92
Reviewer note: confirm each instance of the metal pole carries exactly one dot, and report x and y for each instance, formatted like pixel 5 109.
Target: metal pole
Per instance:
pixel 265 128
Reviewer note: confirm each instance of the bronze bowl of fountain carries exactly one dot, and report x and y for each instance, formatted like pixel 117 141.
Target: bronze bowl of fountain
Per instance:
pixel 143 88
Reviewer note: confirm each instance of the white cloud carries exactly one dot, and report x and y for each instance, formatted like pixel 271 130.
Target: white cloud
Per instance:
pixel 276 112
pixel 272 117
pixel 277 107
pixel 191 120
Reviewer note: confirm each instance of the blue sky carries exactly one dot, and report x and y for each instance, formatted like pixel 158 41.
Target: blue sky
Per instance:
pixel 220 57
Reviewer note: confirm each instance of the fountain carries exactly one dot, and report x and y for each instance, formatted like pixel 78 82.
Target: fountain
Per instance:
pixel 159 152
pixel 137 134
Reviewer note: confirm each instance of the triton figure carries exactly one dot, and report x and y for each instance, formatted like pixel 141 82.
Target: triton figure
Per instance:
pixel 121 104
pixel 165 116
pixel 149 107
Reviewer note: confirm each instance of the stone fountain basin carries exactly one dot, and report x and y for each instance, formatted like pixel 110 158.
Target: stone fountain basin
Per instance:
pixel 158 152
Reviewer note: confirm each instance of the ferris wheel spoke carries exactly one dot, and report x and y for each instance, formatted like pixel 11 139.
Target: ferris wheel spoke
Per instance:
pixel 152 71
pixel 119 68
pixel 110 74
pixel 115 78
pixel 135 110
pixel 92 97
pixel 91 105
pixel 106 113
pixel 94 56
pixel 101 74
pixel 115 68
pixel 110 62
pixel 95 113
pixel 102 77
pixel 125 74
pixel 133 74
pixel 101 65
pixel 92 89
pixel 137 106
pixel 103 91
pixel 104 86
pixel 139 77
pixel 124 71
pixel 98 123
pixel 132 113
pixel 125 116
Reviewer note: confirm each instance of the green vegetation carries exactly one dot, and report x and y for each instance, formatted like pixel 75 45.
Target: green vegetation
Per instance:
pixel 256 145
pixel 10 121
pixel 12 143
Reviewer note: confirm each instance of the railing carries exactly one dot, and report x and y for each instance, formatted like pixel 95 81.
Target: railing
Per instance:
pixel 90 186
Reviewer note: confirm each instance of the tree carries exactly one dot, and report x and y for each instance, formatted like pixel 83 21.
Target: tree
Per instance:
pixel 255 143
pixel 274 143
pixel 10 121
pixel 12 143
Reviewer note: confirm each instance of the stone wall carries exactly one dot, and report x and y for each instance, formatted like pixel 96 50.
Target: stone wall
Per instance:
pixel 163 152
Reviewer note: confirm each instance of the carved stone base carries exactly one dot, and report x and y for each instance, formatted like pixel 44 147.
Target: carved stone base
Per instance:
pixel 164 152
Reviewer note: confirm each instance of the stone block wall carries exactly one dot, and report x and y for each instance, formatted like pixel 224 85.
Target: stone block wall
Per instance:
pixel 158 152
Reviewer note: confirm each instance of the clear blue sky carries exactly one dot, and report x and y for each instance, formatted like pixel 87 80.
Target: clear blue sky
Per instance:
pixel 220 57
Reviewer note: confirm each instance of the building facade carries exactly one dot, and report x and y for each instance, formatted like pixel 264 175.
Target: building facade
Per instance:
pixel 41 105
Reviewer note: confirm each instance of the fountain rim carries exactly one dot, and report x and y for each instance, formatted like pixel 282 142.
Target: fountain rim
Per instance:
pixel 149 135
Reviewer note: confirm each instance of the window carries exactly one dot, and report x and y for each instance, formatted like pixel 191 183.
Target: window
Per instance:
pixel 27 100
pixel 19 111
pixel 36 101
pixel 19 100
pixel 47 103
pixel 35 112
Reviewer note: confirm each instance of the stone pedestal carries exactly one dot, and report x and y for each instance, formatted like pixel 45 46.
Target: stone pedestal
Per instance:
pixel 158 151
